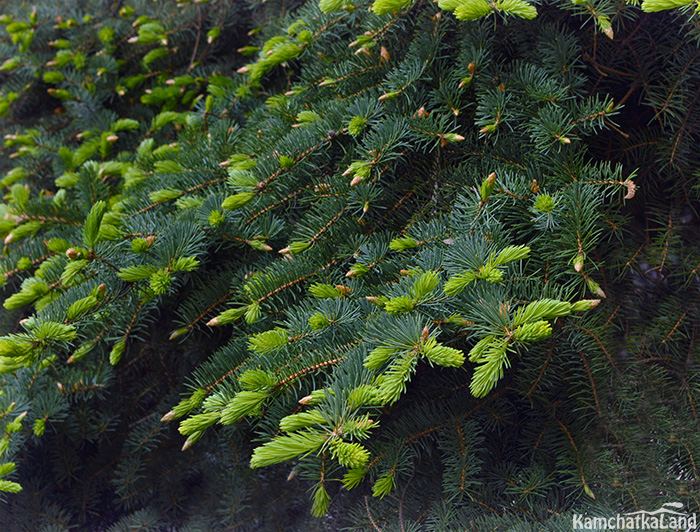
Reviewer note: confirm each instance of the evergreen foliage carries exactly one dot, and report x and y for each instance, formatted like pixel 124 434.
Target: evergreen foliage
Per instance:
pixel 406 265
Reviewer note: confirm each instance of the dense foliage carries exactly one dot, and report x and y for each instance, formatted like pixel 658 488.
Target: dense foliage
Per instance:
pixel 394 265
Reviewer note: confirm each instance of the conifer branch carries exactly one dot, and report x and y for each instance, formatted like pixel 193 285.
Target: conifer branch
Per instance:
pixel 593 386
pixel 296 281
pixel 484 197
pixel 273 206
pixel 184 192
pixel 600 344
pixel 543 369
pixel 578 457
pixel 369 515
pixel 41 259
pixel 48 219
pixel 302 372
pixel 675 327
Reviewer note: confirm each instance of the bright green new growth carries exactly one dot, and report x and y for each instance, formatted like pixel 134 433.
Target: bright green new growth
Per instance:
pixel 283 448
pixel 383 7
pixel 651 6
pixel 330 5
pixel 544 203
pixel 475 9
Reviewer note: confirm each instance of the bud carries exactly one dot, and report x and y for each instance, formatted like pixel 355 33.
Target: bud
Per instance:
pixel 453 137
pixel 357 269
pixel 212 34
pixel 299 247
pixel 578 262
pixel 306 400
pixel 384 53
pixel 228 316
pixel 177 333
pixel 356 180
pixel 389 96
pixel 168 417
pixel 344 290
pixel 260 246
pixel 595 288
pixel 487 186
pixel 73 254
pixel 584 304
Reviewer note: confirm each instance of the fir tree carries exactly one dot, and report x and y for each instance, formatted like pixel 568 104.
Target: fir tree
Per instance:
pixel 412 266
